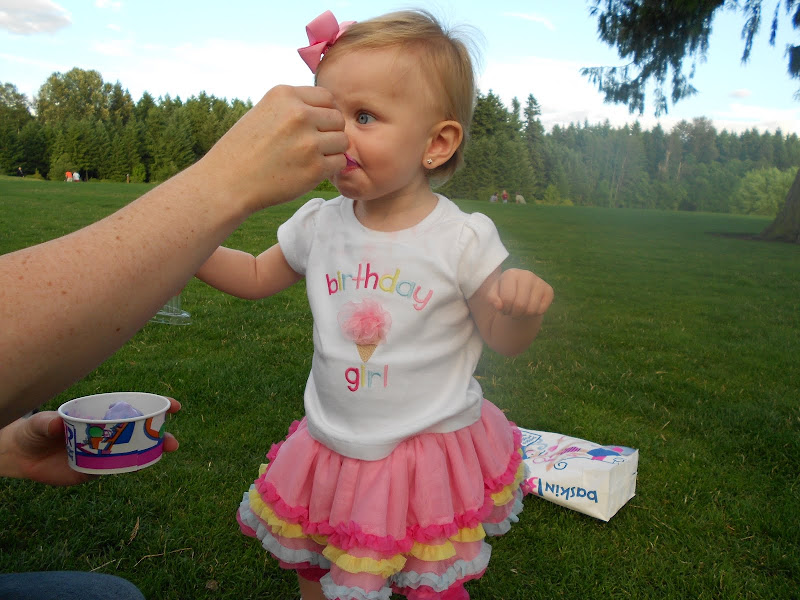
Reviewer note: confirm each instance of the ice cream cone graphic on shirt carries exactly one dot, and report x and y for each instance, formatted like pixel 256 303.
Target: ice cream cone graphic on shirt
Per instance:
pixel 366 323
pixel 365 351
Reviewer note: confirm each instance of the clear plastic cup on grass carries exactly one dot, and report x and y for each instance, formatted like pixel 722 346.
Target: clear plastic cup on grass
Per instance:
pixel 104 436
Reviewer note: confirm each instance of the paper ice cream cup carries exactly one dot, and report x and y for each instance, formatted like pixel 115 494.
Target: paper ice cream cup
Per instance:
pixel 105 446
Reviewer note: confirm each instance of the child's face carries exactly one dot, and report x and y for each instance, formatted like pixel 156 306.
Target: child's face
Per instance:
pixel 389 116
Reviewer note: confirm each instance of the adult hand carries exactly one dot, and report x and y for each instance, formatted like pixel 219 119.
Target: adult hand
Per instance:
pixel 283 147
pixel 34 448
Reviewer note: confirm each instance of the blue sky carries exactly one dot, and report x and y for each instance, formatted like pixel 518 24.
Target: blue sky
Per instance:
pixel 241 48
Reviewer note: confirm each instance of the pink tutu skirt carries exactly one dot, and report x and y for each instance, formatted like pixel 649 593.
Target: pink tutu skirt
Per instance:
pixel 412 523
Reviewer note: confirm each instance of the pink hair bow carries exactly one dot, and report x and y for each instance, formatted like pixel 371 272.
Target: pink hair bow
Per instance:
pixel 322 34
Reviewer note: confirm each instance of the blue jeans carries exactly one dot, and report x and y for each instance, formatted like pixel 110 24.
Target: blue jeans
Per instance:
pixel 66 585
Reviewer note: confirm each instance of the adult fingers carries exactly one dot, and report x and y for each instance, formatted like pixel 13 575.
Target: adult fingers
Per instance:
pixel 316 96
pixel 174 405
pixel 170 442
pixel 326 119
pixel 332 142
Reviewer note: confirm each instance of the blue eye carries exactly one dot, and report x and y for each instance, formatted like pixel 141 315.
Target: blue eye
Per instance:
pixel 364 118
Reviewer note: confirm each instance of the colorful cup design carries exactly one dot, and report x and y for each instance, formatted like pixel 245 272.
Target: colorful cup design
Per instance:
pixel 104 446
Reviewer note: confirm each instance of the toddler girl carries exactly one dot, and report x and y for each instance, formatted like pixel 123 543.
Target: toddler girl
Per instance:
pixel 400 467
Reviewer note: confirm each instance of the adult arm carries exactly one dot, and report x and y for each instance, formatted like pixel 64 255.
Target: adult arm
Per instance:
pixel 67 304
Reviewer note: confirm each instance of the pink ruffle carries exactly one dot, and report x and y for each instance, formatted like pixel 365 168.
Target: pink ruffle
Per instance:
pixel 424 592
pixel 498 483
pixel 427 490
pixel 273 451
pixel 350 535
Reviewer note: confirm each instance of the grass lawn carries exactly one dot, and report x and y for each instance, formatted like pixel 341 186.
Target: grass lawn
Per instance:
pixel 664 336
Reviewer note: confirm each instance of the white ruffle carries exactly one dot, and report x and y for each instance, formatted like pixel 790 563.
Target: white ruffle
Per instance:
pixel 458 570
pixel 272 545
pixel 503 527
pixel 331 590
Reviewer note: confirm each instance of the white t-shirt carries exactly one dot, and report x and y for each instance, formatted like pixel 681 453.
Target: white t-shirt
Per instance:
pixel 426 345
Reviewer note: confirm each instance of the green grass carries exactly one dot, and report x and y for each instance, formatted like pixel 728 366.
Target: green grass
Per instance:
pixel 664 336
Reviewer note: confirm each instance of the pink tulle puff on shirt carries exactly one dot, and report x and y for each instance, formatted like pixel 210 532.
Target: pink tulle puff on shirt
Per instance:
pixel 365 322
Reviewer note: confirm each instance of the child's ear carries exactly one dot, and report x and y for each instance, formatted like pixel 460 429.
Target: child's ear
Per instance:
pixel 444 140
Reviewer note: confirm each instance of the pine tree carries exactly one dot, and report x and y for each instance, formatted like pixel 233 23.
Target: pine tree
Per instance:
pixel 534 144
pixel 35 148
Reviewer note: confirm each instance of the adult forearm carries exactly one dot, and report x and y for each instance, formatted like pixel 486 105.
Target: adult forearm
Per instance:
pixel 69 303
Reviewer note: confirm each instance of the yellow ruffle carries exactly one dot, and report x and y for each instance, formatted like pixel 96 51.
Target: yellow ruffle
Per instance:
pixel 364 564
pixel 276 524
pixel 432 553
pixel 262 469
pixel 505 495
pixel 467 534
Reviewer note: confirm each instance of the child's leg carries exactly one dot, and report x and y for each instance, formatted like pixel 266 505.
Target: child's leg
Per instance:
pixel 310 590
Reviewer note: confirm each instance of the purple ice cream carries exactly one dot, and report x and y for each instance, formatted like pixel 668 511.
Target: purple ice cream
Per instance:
pixel 121 410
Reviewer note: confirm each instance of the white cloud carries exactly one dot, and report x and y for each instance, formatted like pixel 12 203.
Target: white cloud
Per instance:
pixel 740 93
pixel 532 17
pixel 741 117
pixel 565 97
pixel 113 5
pixel 27 17
pixel 117 48
pixel 114 27
pixel 562 93
pixel 41 64
pixel 30 79
pixel 225 68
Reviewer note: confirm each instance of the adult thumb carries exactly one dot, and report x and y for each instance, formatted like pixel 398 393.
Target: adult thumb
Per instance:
pixel 47 424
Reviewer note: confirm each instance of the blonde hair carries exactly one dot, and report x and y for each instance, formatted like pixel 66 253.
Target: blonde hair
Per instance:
pixel 445 61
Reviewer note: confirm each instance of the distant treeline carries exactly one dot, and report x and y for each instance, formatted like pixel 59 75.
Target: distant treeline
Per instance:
pixel 79 122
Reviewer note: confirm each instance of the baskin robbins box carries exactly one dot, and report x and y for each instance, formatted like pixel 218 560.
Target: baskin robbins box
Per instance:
pixel 587 477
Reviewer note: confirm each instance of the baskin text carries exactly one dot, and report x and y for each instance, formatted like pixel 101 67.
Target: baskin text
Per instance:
pixel 540 487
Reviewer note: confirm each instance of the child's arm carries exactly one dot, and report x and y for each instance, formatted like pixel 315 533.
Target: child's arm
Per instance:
pixel 508 309
pixel 246 276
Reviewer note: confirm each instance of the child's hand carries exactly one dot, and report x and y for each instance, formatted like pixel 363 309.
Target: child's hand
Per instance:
pixel 519 293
